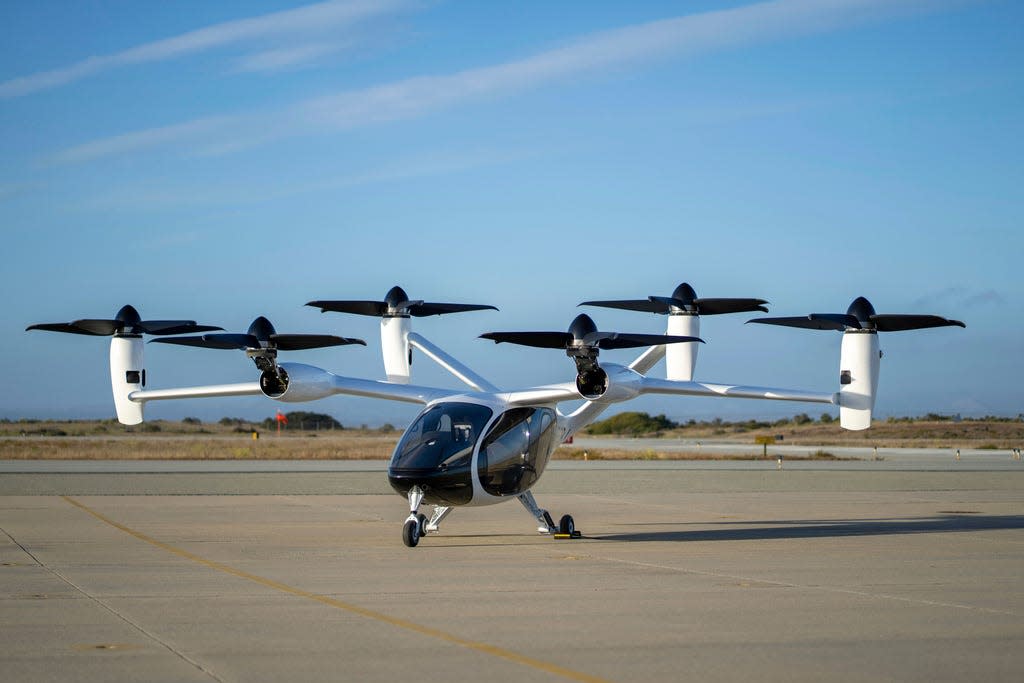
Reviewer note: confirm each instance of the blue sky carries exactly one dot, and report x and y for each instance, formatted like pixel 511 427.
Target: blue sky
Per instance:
pixel 219 161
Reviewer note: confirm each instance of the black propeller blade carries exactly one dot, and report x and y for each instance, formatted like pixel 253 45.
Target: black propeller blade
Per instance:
pixel 684 300
pixel 126 321
pixel 861 316
pixel 584 333
pixel 261 335
pixel 396 303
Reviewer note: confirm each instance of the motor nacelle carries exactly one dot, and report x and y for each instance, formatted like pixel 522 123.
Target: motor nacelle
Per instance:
pixel 274 382
pixel 294 382
pixel 592 382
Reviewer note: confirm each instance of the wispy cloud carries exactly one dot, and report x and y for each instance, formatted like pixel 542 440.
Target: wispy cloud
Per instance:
pixel 299 22
pixel 426 164
pixel 286 58
pixel 143 139
pixel 689 35
pixel 959 297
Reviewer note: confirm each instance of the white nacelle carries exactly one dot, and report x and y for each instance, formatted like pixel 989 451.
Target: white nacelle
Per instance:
pixel 305 383
pixel 394 343
pixel 858 372
pixel 622 383
pixel 681 359
pixel 127 374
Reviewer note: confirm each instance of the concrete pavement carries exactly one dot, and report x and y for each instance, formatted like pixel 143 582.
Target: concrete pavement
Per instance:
pixel 840 575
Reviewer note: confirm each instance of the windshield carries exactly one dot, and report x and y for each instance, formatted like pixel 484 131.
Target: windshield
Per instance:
pixel 442 436
pixel 516 450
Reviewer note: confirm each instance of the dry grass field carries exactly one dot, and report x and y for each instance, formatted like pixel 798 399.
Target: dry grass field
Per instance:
pixel 883 433
pixel 164 440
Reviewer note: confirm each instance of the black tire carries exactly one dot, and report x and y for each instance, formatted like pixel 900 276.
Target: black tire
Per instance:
pixel 566 525
pixel 422 519
pixel 411 533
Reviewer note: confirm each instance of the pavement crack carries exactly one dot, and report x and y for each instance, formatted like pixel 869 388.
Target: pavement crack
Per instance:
pixel 23 548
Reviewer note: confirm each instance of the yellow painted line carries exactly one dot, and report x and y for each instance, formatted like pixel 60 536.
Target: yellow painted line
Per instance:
pixel 493 650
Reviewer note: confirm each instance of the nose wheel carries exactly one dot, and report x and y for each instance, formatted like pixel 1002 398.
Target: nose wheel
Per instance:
pixel 413 529
pixel 416 524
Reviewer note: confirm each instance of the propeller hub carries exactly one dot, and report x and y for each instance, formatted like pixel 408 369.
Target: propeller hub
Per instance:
pixel 862 310
pixel 397 303
pixel 685 293
pixel 129 318
pixel 262 329
pixel 581 326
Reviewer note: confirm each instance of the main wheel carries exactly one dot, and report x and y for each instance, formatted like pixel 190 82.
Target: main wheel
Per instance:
pixel 566 525
pixel 411 533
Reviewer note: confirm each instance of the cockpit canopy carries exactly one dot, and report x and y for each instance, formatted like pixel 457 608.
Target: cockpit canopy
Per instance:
pixel 442 436
pixel 439 447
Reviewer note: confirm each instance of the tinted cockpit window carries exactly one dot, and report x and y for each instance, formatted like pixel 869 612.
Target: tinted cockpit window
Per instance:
pixel 441 437
pixel 515 450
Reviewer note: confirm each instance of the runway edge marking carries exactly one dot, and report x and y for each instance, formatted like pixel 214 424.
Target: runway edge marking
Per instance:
pixel 493 650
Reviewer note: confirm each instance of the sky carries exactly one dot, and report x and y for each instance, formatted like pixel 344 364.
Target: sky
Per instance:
pixel 221 161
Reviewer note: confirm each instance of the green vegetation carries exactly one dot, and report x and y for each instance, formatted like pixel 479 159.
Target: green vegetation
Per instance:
pixel 304 421
pixel 632 423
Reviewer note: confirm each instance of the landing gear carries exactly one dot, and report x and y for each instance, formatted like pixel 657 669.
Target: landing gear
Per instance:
pixel 417 525
pixel 440 512
pixel 411 533
pixel 566 526
pixel 415 522
pixel 547 525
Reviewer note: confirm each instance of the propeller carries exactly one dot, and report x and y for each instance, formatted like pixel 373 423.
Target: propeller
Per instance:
pixel 126 321
pixel 261 343
pixel 861 316
pixel 583 334
pixel 583 343
pixel 683 300
pixel 396 304
pixel 261 336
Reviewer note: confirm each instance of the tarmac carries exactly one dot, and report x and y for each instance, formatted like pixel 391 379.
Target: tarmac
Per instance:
pixel 718 572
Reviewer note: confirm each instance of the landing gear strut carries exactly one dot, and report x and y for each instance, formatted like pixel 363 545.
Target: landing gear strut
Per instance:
pixel 415 522
pixel 566 526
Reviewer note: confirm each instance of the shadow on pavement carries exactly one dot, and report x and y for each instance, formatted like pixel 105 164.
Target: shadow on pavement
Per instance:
pixel 780 529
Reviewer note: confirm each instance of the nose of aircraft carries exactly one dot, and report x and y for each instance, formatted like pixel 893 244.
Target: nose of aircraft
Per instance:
pixel 441 485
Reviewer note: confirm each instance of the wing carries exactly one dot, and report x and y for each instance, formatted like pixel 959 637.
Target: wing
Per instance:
pixel 651 385
pixel 305 383
pixel 212 391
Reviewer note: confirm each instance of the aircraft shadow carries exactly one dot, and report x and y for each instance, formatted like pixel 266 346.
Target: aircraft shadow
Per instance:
pixel 783 529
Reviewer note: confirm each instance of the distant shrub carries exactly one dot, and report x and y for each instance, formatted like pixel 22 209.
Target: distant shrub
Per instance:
pixel 632 423
pixel 826 418
pixel 45 431
pixel 191 421
pixel 305 421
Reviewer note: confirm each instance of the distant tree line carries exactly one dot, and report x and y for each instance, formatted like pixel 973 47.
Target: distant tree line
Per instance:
pixel 635 423
pixel 304 421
